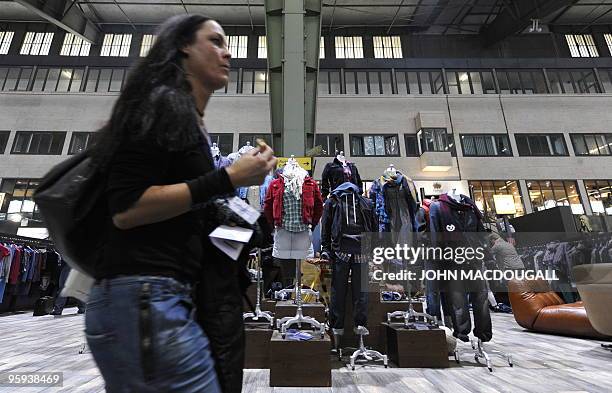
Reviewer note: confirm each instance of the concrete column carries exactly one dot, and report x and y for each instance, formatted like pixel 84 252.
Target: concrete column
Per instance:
pixel 584 198
pixel 525 195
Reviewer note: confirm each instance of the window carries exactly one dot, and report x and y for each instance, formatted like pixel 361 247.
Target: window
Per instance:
pixel 436 140
pixel 81 141
pixel 470 82
pixel 15 78
pixel 374 145
pixel 329 82
pixel 388 47
pixel 412 145
pixel 521 82
pixel 104 79
pixel 483 191
pixel 322 48
pixel 6 37
pixel 116 45
pixel 368 82
pixel 58 79
pixel 330 143
pixel 546 194
pixel 74 46
pixel 237 45
pixel 251 138
pixel 18 204
pixel 486 145
pixel 600 195
pixel 592 144
pixel 541 145
pixel 608 38
pixel 262 47
pixel 225 142
pixel 38 142
pixel 36 44
pixel 147 42
pixel 349 48
pixel 232 85
pixel 581 45
pixel 573 81
pixel 419 82
pixel 4 135
pixel 254 82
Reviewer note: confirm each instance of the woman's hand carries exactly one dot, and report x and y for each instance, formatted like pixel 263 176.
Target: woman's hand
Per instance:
pixel 252 167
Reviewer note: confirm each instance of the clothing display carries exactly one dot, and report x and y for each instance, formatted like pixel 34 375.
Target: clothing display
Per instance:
pixel 311 201
pixel 293 206
pixel 336 173
pixel 346 216
pixel 454 221
pixel 395 200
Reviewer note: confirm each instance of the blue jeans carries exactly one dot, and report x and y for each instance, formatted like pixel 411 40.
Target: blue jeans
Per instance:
pixel 143 337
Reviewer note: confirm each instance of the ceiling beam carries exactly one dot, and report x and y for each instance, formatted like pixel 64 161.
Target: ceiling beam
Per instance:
pixel 512 21
pixel 63 15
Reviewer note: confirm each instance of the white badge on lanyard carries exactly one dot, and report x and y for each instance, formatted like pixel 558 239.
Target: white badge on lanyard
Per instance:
pixel 245 211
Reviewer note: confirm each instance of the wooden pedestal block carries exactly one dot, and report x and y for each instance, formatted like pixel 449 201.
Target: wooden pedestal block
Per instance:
pixel 257 345
pixel 268 305
pixel 416 348
pixel 300 363
pixel 286 308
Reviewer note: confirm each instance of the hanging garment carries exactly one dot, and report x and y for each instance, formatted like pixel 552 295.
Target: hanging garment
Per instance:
pixel 292 245
pixel 347 215
pixel 400 206
pixel 334 174
pixel 453 223
pixel 312 203
pixel 263 189
pixel 221 161
pixel 292 220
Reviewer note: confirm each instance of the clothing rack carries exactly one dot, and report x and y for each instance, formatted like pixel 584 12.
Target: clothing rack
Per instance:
pixel 26 241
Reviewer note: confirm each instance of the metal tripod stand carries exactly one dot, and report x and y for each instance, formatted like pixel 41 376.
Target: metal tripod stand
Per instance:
pixel 368 354
pixel 284 323
pixel 258 313
pixel 480 353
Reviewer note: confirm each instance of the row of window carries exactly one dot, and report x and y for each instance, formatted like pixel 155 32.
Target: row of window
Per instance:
pixel 361 145
pixel 346 47
pixel 340 81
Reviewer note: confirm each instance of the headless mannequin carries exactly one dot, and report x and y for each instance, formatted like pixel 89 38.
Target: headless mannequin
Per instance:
pixel 453 194
pixel 214 150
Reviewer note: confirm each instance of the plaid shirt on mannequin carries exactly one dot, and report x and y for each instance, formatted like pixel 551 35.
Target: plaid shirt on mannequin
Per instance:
pixel 292 213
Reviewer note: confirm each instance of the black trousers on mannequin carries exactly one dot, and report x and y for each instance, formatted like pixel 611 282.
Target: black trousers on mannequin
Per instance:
pixel 339 286
pixel 458 298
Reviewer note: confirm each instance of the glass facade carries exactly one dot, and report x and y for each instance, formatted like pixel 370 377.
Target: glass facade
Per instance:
pixel 600 196
pixel 546 194
pixel 17 204
pixel 483 191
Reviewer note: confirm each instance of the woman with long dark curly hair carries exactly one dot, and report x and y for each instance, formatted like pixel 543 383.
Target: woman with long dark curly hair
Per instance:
pixel 155 152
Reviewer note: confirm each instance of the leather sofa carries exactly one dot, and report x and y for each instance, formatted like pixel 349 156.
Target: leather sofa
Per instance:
pixel 594 283
pixel 536 307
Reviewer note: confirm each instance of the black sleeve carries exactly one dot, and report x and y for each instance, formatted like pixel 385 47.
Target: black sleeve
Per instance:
pixel 358 181
pixel 325 181
pixel 326 229
pixel 135 167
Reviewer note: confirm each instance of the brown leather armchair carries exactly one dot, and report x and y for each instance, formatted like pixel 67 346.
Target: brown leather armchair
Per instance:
pixel 536 307
pixel 594 282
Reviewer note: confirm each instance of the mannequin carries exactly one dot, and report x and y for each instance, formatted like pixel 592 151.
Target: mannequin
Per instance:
pixel 293 206
pixel 338 172
pixel 458 217
pixel 347 215
pixel 218 159
pixel 394 197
